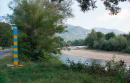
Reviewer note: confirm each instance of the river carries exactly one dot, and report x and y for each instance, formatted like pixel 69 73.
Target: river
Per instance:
pixel 88 56
pixel 64 58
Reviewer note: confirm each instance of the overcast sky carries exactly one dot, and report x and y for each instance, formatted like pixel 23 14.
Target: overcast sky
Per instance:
pixel 97 18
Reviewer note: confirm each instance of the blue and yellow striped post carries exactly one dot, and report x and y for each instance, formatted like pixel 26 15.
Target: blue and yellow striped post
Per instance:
pixel 15 46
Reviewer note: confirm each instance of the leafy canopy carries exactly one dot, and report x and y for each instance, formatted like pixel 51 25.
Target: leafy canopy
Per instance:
pixel 111 5
pixel 39 21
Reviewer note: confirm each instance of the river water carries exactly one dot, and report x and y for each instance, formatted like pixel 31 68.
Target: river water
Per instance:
pixel 64 58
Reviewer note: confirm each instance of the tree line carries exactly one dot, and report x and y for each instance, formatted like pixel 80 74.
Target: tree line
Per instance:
pixel 107 42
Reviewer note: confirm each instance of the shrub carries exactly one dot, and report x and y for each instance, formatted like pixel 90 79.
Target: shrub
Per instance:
pixel 25 50
pixel 108 42
pixel 84 67
pixel 5 35
pixel 116 68
pixel 79 42
pixel 109 35
pixel 112 68
pixel 127 50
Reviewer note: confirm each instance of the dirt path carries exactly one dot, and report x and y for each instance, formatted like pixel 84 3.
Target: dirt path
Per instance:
pixel 94 54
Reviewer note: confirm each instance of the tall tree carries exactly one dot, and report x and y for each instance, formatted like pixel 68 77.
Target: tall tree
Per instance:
pixel 109 35
pixel 91 38
pixel 39 21
pixel 100 35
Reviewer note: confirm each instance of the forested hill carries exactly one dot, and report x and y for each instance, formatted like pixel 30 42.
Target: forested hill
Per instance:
pixel 74 33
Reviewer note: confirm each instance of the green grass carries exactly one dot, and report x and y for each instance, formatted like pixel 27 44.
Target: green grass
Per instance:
pixel 52 71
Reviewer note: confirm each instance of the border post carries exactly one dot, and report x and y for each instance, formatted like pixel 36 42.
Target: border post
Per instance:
pixel 15 45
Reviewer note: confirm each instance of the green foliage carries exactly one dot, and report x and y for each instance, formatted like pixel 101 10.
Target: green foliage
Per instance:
pixel 109 41
pixel 51 71
pixel 109 35
pixel 5 35
pixel 127 50
pixel 91 38
pixel 3 78
pixel 39 21
pixel 25 48
pixel 79 42
pixel 118 43
pixel 100 35
pixel 111 68
pixel 111 5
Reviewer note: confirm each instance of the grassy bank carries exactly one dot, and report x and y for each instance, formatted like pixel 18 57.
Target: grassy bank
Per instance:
pixel 52 71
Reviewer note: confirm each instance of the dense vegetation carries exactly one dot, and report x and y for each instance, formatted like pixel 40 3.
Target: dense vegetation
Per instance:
pixel 53 71
pixel 79 42
pixel 39 21
pixel 5 35
pixel 108 42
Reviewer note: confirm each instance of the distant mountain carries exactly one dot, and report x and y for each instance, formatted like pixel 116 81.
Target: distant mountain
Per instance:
pixel 104 30
pixel 77 32
pixel 74 33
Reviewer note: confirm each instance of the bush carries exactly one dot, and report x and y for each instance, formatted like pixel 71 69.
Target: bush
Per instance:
pixel 115 44
pixel 109 35
pixel 25 50
pixel 5 35
pixel 95 68
pixel 90 39
pixel 79 42
pixel 116 68
pixel 84 67
pixel 110 42
pixel 112 68
pixel 127 50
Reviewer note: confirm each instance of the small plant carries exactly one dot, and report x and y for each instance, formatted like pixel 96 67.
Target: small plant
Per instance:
pixel 96 68
pixel 3 78
pixel 84 67
pixel 112 68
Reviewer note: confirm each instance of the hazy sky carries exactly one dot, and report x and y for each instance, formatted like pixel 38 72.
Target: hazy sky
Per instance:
pixel 97 18
pixel 4 7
